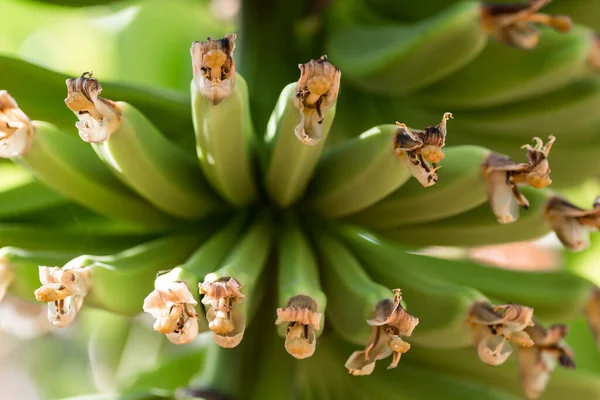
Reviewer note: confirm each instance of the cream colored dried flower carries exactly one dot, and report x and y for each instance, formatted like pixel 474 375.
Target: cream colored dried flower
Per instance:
pixel 214 68
pixel 494 326
pixel 64 290
pixel 316 92
pixel 16 131
pixel 390 321
pixel 503 175
pixel 572 224
pixel 303 319
pixel 422 150
pixel 173 306
pixel 223 298
pixel 98 117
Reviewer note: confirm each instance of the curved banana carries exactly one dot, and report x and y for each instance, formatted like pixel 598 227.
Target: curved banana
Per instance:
pixel 222 121
pixel 139 154
pixel 460 188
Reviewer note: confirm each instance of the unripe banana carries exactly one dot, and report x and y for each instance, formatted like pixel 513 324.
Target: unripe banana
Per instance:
pixel 460 188
pixel 224 131
pixel 139 154
pixel 477 227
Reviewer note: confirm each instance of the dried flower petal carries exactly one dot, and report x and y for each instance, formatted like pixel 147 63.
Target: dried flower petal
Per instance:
pixel 503 175
pixel 64 290
pixel 572 224
pixel 493 327
pixel 390 320
pixel 593 313
pixel 6 277
pixel 16 131
pixel 316 92
pixel 422 150
pixel 172 304
pixel 537 363
pixel 303 319
pixel 98 118
pixel 223 298
pixel 214 68
pixel 513 24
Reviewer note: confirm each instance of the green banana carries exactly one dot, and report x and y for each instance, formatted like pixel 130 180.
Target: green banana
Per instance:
pixel 402 61
pixel 300 297
pixel 440 304
pixel 558 59
pixel 461 187
pixel 139 154
pixel 297 130
pixel 477 227
pixel 358 173
pixel 224 131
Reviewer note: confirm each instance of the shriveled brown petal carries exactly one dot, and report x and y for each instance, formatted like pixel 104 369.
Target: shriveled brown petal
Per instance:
pixel 391 313
pixel 513 24
pixel 363 362
pixel 316 92
pixel 214 67
pixel 426 175
pixel 572 224
pixel 16 131
pixel 98 118
pixel 300 340
pixel 225 317
pixel 302 318
pixel 593 313
pixel 6 277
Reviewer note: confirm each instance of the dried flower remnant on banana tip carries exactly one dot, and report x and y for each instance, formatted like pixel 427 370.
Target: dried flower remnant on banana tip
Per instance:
pixel 223 298
pixel 303 319
pixel 98 118
pixel 572 224
pixel 389 322
pixel 503 175
pixel 316 92
pixel 16 131
pixel 592 310
pixel 494 326
pixel 173 306
pixel 64 290
pixel 421 150
pixel 537 363
pixel 214 68
pixel 6 277
pixel 513 24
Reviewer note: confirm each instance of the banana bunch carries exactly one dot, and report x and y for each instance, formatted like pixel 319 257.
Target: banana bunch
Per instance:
pixel 298 240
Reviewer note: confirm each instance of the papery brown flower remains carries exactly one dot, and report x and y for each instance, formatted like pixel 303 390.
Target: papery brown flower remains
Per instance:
pixel 16 131
pixel 214 67
pixel 303 319
pixel 572 224
pixel 390 321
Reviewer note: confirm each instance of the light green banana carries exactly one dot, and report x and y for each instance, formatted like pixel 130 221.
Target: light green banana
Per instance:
pixel 558 59
pixel 399 59
pixel 460 187
pixel 358 173
pixel 224 143
pixel 440 304
pixel 477 227
pixel 138 153
pixel 291 163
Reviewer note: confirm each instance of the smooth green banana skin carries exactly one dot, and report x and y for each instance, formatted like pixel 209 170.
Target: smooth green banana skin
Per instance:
pixel 440 304
pixel 557 60
pixel 460 187
pixel 399 59
pixel 298 270
pixel 477 227
pixel 70 167
pixel 156 168
pixel 358 173
pixel 224 143
pixel 291 164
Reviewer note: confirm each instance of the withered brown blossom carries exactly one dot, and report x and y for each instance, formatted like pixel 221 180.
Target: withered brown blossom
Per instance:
pixel 303 320
pixel 16 131
pixel 537 363
pixel 494 326
pixel 316 92
pixel 223 298
pixel 390 321
pixel 214 68
pixel 503 175
pixel 514 24
pixel 572 224
pixel 422 150
pixel 64 290
pixel 98 118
